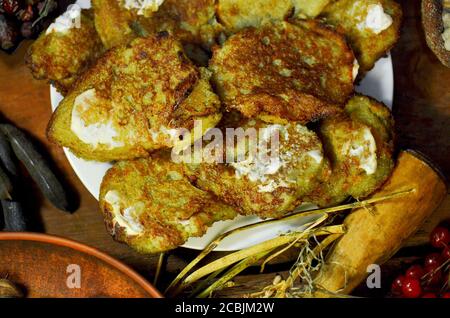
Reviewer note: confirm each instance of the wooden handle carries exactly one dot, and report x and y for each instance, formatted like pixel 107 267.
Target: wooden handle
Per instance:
pixel 374 235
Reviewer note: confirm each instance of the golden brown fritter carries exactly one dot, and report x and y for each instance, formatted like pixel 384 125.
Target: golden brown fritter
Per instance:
pixel 270 175
pixel 373 114
pixel 190 21
pixel 113 23
pixel 133 101
pixel 151 205
pixel 367 39
pixel 360 147
pixel 236 15
pixel 300 72
pixel 61 57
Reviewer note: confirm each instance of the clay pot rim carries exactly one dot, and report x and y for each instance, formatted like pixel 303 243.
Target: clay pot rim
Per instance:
pixel 80 247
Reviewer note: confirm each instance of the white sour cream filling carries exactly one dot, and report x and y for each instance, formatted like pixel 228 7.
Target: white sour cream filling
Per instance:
pixel 261 163
pixel 93 134
pixel 65 22
pixel 142 6
pixel 129 217
pixel 366 152
pixel 376 20
pixel 272 186
pixel 316 155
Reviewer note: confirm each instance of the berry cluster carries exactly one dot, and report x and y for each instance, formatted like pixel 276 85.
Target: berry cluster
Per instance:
pixel 25 19
pixel 430 279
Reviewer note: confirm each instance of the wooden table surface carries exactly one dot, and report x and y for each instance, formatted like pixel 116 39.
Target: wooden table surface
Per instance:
pixel 422 113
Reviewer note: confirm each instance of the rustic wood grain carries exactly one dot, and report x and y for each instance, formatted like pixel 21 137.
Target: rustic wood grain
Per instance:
pixel 422 112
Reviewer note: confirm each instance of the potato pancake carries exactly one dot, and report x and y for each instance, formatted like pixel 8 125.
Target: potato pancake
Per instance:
pixel 371 26
pixel 134 100
pixel 270 175
pixel 300 72
pixel 192 22
pixel 61 56
pixel 113 23
pixel 236 15
pixel 360 147
pixel 151 205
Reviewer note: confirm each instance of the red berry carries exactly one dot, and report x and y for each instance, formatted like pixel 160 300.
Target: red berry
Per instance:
pixel 440 237
pixel 411 288
pixel 445 295
pixel 433 260
pixel 10 6
pixel 396 287
pixel 415 271
pixel 429 295
pixel 446 254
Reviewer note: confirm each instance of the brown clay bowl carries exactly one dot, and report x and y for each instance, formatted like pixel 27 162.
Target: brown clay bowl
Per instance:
pixel 49 266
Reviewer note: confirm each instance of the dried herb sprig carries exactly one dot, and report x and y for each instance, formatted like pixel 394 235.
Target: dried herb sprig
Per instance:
pixel 248 253
pixel 233 272
pixel 9 290
pixel 175 287
pixel 46 9
pixel 159 268
pixel 252 260
pixel 210 248
pixel 303 268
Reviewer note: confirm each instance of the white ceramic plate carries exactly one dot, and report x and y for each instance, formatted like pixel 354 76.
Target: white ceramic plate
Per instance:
pixel 379 83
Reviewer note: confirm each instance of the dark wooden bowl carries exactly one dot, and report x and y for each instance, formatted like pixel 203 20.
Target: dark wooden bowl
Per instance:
pixel 47 266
